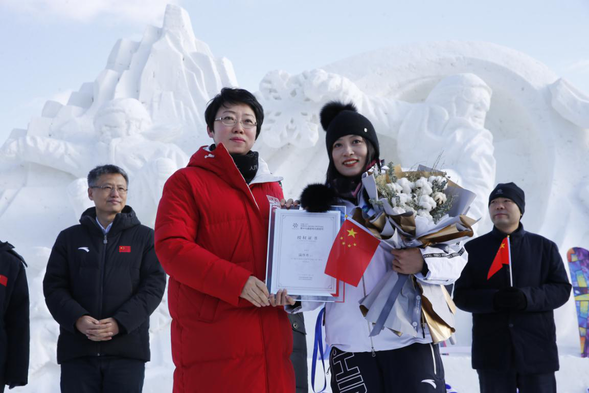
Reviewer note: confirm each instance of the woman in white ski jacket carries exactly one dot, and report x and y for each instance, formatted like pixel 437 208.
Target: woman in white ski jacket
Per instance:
pixel 387 362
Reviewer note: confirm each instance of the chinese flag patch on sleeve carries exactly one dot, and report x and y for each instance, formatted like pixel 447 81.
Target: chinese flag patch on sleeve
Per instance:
pixel 124 248
pixel 3 280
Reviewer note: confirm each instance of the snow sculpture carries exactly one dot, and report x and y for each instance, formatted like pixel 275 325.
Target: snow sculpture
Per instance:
pixel 144 112
pixel 295 122
pixel 169 72
pixel 120 126
pixel 449 125
pixel 542 147
pixel 571 103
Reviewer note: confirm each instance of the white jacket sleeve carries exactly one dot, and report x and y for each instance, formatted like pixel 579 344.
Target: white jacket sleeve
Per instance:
pixel 445 263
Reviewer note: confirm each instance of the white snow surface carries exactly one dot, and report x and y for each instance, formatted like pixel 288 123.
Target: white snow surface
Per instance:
pixel 535 133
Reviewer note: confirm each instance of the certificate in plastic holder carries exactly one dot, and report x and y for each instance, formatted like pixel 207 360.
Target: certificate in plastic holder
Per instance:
pixel 299 243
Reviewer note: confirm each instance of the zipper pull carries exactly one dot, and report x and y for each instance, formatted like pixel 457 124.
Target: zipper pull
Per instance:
pixel 104 241
pixel 373 353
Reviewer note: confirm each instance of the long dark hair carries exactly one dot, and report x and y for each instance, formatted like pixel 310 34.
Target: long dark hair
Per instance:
pixel 345 187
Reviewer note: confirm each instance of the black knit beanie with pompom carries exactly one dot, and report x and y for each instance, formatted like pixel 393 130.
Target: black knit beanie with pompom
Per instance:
pixel 339 119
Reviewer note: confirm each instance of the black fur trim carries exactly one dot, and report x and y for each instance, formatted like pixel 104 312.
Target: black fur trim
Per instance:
pixel 332 109
pixel 317 198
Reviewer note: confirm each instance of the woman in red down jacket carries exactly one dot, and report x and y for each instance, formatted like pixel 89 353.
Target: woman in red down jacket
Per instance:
pixel 211 236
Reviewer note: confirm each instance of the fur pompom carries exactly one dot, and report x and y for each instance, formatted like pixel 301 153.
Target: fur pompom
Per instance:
pixel 331 110
pixel 317 198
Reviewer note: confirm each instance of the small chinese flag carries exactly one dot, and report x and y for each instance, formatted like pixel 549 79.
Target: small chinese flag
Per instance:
pixel 351 253
pixel 3 280
pixel 503 257
pixel 124 248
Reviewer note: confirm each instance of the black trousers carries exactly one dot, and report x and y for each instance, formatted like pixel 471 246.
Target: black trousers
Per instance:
pixel 102 374
pixel 496 381
pixel 417 368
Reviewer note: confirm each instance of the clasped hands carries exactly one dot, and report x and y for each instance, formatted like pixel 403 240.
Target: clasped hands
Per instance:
pixel 97 330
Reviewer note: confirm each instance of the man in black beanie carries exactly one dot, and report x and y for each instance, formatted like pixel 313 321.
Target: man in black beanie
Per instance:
pixel 514 335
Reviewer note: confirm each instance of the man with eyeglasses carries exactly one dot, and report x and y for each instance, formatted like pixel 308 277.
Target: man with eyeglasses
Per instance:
pixel 102 283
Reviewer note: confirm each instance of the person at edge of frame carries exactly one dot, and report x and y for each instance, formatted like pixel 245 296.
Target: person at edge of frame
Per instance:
pixel 14 319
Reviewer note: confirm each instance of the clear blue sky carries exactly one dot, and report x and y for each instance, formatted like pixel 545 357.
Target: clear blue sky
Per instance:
pixel 50 47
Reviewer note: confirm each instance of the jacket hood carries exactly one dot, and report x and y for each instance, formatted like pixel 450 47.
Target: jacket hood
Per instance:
pixel 5 246
pixel 124 220
pixel 219 162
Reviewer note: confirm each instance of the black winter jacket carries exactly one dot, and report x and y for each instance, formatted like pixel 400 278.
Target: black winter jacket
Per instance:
pixel 525 340
pixel 115 275
pixel 14 318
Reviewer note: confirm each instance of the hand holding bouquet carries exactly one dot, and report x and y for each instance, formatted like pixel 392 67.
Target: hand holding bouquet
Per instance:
pixel 412 209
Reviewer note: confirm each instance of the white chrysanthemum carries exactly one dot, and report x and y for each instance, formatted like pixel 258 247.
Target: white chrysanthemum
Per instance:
pixel 406 185
pixel 398 210
pixel 439 197
pixel 425 214
pixel 393 201
pixel 404 198
pixel 427 202
pixel 394 187
pixel 425 188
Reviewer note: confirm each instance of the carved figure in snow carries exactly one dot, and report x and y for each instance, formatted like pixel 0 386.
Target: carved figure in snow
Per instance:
pixel 120 128
pixel 451 125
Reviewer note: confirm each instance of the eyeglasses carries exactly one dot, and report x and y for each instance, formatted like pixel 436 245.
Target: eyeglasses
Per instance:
pixel 108 189
pixel 230 121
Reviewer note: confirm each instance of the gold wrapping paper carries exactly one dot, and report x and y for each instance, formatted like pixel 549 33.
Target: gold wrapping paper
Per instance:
pixel 439 329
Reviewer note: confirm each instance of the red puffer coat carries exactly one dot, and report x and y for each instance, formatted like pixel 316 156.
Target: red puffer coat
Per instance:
pixel 211 235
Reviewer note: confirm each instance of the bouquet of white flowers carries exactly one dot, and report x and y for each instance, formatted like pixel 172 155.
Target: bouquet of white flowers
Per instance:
pixel 415 208
pixel 407 192
pixel 412 209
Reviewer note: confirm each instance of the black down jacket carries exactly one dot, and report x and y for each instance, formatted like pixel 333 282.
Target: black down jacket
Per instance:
pixel 521 340
pixel 116 275
pixel 14 318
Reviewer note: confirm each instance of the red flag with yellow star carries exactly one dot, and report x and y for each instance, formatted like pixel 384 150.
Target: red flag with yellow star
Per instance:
pixel 351 253
pixel 503 257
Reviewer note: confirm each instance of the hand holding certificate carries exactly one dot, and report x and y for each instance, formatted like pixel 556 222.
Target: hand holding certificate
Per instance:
pixel 298 247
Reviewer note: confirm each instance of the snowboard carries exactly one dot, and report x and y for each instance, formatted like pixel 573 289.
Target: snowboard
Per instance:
pixel 579 268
